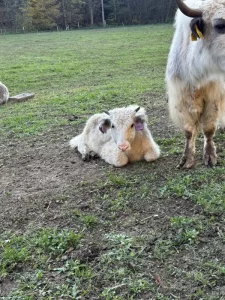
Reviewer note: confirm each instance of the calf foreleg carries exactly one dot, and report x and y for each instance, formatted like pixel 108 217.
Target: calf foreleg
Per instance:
pixel 153 151
pixel 112 155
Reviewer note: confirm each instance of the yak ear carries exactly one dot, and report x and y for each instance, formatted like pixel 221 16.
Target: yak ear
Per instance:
pixel 105 125
pixel 197 29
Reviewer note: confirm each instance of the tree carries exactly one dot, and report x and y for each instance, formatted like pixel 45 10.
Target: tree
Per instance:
pixel 46 14
pixel 72 12
pixel 43 13
pixel 11 13
pixel 103 13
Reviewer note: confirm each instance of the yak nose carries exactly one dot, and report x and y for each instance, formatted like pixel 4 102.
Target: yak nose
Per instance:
pixel 124 146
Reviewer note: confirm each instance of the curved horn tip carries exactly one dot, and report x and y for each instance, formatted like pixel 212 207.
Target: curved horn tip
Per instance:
pixel 137 109
pixel 189 12
pixel 106 112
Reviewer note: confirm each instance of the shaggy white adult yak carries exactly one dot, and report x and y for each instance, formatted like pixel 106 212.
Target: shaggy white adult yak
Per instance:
pixel 195 75
pixel 118 136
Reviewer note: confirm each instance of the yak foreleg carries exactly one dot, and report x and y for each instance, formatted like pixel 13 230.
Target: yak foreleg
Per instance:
pixel 188 158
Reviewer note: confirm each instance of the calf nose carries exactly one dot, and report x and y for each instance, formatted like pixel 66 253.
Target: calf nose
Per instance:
pixel 124 146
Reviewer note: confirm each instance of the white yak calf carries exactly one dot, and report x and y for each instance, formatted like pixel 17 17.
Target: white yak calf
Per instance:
pixel 118 136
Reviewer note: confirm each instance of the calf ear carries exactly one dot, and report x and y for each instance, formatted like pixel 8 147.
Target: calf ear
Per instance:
pixel 197 29
pixel 104 125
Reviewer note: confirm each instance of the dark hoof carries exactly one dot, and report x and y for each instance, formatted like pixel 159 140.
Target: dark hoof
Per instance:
pixel 186 162
pixel 86 157
pixel 210 160
pixel 89 156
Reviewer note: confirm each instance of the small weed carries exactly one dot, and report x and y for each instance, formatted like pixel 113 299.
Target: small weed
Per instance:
pixel 56 241
pixel 14 251
pixel 118 180
pixel 180 188
pixel 187 230
pixel 21 249
pixel 90 220
pixel 171 145
pixel 75 269
pixel 184 231
pixel 126 255
pixel 163 248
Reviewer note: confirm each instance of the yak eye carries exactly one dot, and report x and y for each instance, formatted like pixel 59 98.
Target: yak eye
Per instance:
pixel 132 125
pixel 113 126
pixel 219 25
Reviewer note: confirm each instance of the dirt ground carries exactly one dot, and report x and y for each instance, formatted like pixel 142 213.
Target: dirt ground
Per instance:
pixel 43 181
pixel 39 176
pixel 36 175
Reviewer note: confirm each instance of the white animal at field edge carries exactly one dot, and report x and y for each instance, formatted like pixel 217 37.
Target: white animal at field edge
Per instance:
pixel 4 93
pixel 119 136
pixel 195 75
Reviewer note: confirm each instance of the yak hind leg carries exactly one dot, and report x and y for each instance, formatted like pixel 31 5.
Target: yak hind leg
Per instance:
pixel 188 158
pixel 209 151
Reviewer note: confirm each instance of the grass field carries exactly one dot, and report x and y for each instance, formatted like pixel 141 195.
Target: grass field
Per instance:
pixel 85 230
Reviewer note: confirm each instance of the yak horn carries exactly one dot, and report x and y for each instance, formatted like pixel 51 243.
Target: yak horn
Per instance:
pixel 189 12
pixel 137 109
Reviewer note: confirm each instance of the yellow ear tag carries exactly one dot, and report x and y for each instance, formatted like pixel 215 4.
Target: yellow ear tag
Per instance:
pixel 201 36
pixel 193 37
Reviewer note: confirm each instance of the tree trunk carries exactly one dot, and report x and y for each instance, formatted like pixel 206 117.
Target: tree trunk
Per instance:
pixel 64 13
pixel 129 11
pixel 91 9
pixel 168 11
pixel 115 10
pixel 103 14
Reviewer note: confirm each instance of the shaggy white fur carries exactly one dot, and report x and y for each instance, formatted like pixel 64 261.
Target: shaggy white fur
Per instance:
pixel 195 78
pixel 119 136
pixel 4 93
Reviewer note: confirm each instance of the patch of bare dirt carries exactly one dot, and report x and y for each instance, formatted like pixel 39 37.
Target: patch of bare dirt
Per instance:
pixel 35 176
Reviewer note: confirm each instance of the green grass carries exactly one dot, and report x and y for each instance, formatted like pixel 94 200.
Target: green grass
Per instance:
pixel 76 73
pixel 146 231
pixel 204 187
pixel 20 249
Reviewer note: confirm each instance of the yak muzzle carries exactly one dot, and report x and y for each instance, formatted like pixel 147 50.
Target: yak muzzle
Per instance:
pixel 125 146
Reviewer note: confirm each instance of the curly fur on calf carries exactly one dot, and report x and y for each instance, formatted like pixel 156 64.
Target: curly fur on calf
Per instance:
pixel 119 136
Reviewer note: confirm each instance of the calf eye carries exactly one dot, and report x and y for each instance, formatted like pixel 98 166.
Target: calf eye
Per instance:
pixel 113 126
pixel 132 125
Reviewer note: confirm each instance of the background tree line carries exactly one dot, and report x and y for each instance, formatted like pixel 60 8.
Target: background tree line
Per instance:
pixel 17 15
